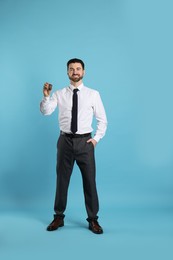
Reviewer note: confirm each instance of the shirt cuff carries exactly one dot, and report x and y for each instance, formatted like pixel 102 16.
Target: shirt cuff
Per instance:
pixel 96 138
pixel 46 98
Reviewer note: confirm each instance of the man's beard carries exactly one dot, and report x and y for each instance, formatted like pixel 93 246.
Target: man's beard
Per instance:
pixel 76 79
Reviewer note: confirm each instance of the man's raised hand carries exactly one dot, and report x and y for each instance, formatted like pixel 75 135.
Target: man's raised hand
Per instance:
pixel 47 89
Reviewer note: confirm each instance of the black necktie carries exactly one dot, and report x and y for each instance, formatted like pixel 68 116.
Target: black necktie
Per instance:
pixel 74 111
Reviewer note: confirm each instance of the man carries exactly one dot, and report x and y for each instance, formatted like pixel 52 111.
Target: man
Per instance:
pixel 77 104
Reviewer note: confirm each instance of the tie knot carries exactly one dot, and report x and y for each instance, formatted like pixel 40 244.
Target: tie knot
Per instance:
pixel 75 90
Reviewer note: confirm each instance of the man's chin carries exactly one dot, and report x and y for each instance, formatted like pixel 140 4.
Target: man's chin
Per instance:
pixel 76 79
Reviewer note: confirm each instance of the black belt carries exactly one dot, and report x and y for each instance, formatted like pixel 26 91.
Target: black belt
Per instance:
pixel 75 135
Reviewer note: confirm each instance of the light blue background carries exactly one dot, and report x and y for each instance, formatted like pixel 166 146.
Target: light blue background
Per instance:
pixel 127 48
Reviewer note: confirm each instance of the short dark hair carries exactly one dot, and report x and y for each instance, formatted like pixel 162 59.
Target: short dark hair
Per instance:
pixel 76 60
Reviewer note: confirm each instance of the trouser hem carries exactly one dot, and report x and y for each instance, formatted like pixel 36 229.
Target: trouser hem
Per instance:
pixel 89 219
pixel 62 216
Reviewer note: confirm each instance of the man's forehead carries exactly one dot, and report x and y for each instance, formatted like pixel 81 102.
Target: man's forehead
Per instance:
pixel 75 65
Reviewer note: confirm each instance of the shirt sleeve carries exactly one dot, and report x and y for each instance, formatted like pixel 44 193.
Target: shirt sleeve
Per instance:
pixel 48 105
pixel 100 115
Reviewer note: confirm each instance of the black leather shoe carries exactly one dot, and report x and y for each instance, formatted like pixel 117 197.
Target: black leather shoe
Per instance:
pixel 95 227
pixel 55 224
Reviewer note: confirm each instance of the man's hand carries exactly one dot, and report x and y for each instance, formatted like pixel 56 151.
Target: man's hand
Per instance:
pixel 91 140
pixel 47 89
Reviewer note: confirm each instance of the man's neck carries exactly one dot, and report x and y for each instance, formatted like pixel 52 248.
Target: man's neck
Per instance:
pixel 76 84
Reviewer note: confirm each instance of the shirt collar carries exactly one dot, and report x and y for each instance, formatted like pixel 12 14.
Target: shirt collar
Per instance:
pixel 79 87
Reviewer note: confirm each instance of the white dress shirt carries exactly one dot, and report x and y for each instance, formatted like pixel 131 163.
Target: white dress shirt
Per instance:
pixel 89 105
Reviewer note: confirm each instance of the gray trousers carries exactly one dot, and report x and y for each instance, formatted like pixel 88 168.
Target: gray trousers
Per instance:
pixel 70 150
